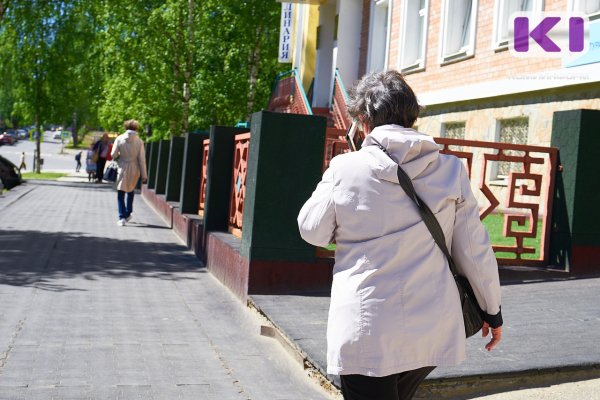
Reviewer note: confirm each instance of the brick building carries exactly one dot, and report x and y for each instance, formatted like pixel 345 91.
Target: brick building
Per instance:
pixel 455 54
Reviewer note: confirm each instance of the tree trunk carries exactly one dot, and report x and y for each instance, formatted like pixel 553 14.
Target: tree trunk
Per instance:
pixel 187 75
pixel 253 61
pixel 38 134
pixel 74 134
pixel 3 7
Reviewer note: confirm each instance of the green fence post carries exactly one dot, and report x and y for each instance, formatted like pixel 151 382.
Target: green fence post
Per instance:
pixel 173 189
pixel 192 168
pixel 285 163
pixel 575 240
pixel 152 165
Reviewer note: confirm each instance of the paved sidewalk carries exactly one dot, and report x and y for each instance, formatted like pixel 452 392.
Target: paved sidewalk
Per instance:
pixel 90 310
pixel 551 335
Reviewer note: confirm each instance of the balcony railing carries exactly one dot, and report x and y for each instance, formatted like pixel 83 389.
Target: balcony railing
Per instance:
pixel 339 100
pixel 238 183
pixel 288 95
pixel 205 148
pixel 521 201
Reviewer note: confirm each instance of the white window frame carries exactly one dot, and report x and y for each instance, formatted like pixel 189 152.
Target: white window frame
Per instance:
pixel 376 3
pixel 465 51
pixel 419 63
pixel 499 11
pixel 575 5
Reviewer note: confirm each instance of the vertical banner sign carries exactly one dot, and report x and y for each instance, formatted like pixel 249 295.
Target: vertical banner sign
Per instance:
pixel 285 34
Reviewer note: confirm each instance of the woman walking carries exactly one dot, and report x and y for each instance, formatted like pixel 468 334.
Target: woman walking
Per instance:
pixel 128 150
pixel 395 312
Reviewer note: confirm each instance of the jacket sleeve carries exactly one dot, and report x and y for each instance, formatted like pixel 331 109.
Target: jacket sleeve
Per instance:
pixel 142 162
pixel 473 255
pixel 115 149
pixel 316 220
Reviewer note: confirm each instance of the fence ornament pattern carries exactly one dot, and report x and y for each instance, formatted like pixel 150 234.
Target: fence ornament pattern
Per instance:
pixel 238 183
pixel 203 176
pixel 529 189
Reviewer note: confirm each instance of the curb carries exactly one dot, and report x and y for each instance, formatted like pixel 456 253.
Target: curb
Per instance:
pixel 304 361
pixel 454 387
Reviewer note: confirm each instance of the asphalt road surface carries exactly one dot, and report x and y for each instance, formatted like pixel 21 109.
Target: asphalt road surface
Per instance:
pixel 54 160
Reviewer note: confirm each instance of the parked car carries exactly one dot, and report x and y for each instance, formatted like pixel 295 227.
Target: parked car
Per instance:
pixel 6 138
pixel 9 174
pixel 22 134
pixel 13 134
pixel 56 136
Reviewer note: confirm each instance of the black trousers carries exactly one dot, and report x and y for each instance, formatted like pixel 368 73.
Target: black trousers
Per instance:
pixel 400 386
pixel 100 168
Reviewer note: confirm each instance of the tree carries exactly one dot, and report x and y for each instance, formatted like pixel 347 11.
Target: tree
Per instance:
pixel 238 59
pixel 178 65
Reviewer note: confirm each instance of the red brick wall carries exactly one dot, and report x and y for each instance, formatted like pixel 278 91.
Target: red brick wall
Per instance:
pixel 486 65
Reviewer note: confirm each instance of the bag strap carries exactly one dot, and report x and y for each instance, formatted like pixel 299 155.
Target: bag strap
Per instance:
pixel 428 217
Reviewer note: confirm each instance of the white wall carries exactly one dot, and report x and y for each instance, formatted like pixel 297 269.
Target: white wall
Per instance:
pixel 348 43
pixel 323 77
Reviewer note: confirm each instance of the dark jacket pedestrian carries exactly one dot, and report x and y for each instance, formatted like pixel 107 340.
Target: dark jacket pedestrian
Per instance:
pixel 102 148
pixel 78 160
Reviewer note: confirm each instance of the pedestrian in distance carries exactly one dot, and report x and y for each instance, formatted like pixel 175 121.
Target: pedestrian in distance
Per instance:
pixel 128 151
pixel 78 161
pixel 103 149
pixel 22 162
pixel 395 312
pixel 90 164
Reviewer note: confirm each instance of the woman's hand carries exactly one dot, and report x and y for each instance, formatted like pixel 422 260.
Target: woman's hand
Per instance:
pixel 496 335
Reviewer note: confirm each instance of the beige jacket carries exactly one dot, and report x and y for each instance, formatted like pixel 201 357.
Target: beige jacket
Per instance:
pixel 129 152
pixel 394 303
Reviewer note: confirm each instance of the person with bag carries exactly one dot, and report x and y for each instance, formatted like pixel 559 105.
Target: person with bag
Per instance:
pixel 90 164
pixel 102 153
pixel 395 311
pixel 128 151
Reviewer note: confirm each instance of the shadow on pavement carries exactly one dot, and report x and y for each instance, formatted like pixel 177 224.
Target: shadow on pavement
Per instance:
pixel 47 260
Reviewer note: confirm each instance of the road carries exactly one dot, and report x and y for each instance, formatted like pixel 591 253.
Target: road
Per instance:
pixel 50 152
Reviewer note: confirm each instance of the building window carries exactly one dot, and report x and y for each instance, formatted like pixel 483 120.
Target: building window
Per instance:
pixel 503 10
pixel 458 29
pixel 589 7
pixel 511 131
pixel 379 34
pixel 454 130
pixel 414 35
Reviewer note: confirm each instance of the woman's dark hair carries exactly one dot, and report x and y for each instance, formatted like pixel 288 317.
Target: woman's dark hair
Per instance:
pixel 383 98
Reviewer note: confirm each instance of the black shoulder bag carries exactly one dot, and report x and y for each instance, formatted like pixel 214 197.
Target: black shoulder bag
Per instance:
pixel 472 313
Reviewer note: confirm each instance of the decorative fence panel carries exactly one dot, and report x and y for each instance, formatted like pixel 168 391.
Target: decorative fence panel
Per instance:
pixel 521 201
pixel 238 183
pixel 205 148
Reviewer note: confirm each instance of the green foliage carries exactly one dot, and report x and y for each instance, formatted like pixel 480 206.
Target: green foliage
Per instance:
pixel 177 65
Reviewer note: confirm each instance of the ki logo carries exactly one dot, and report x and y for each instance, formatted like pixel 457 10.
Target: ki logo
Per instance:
pixel 549 34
